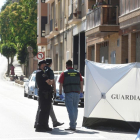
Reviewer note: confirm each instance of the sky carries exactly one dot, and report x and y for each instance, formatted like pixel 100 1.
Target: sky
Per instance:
pixel 2 3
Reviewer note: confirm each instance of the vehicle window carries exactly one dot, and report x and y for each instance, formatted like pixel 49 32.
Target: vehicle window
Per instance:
pixel 33 78
pixel 30 77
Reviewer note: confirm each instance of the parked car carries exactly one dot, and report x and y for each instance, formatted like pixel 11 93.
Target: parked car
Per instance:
pixel 29 86
pixel 57 99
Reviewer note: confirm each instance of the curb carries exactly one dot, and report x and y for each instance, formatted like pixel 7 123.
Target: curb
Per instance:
pixel 8 79
pixel 19 85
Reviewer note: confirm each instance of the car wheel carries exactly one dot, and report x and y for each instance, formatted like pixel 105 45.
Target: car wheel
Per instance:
pixel 35 98
pixel 82 105
pixel 29 96
pixel 55 103
pixel 25 95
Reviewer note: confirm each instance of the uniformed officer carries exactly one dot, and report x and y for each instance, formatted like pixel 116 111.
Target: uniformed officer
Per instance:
pixel 44 84
pixel 47 69
pixel 72 83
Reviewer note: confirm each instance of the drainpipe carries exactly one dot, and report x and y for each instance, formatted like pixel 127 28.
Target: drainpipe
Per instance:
pixel 63 25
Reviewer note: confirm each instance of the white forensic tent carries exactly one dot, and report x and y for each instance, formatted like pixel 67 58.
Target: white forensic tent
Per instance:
pixel 112 95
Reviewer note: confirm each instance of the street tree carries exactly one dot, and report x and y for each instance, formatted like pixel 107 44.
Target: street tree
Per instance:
pixel 8 2
pixel 13 50
pixel 18 24
pixel 8 50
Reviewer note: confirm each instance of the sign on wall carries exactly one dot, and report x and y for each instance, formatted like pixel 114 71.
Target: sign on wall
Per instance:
pixel 40 55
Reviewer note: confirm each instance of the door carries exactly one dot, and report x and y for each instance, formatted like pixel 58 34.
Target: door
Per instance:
pixel 138 47
pixel 104 52
pixel 113 57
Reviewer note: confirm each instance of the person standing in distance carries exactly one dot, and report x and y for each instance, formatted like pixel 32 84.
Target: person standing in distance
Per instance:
pixel 72 83
pixel 43 82
pixel 52 114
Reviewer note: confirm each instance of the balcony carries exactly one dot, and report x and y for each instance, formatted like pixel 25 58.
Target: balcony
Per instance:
pixel 51 30
pixel 49 1
pixel 41 41
pixel 129 14
pixel 102 21
pixel 74 14
pixel 47 31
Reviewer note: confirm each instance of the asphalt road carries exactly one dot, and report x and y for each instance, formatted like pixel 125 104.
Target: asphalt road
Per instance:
pixel 17 115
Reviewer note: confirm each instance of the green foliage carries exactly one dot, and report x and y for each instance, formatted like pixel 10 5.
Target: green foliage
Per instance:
pixel 22 55
pixel 13 49
pixel 18 24
pixel 0 48
pixel 8 49
pixel 8 2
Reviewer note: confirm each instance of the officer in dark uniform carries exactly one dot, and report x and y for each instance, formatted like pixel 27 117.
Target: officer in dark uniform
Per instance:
pixel 48 69
pixel 44 84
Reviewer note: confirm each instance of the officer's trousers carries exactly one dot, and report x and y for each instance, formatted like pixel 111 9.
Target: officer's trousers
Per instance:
pixel 44 110
pixel 52 115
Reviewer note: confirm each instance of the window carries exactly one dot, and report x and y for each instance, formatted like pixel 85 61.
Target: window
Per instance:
pixel 118 42
pixel 43 23
pixel 33 78
pixel 43 1
pixel 83 1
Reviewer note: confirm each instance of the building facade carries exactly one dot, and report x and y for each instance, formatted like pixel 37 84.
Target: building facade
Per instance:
pixel 130 29
pixel 65 33
pixel 113 32
pixel 102 32
pixel 75 30
pixel 41 21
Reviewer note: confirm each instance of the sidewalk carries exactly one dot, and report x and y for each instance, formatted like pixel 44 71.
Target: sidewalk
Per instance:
pixel 18 72
pixel 17 65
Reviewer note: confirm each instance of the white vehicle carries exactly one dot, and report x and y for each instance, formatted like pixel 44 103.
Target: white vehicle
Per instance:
pixel 57 98
pixel 29 86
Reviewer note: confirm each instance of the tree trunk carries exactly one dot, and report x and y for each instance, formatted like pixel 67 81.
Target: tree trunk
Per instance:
pixel 12 58
pixel 8 70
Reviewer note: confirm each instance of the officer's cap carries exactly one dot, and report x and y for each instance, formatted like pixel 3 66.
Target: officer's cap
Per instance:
pixel 42 62
pixel 48 61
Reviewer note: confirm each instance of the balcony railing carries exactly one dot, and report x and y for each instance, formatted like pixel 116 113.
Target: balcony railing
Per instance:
pixel 103 15
pixel 49 1
pixel 127 6
pixel 52 28
pixel 74 11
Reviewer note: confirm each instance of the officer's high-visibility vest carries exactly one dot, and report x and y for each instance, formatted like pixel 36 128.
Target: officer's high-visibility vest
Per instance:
pixel 71 81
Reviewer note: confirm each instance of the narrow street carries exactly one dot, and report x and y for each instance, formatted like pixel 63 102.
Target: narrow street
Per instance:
pixel 17 115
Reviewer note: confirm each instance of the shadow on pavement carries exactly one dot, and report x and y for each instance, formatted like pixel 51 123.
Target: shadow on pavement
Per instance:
pixel 57 131
pixel 86 132
pixel 62 104
pixel 111 130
